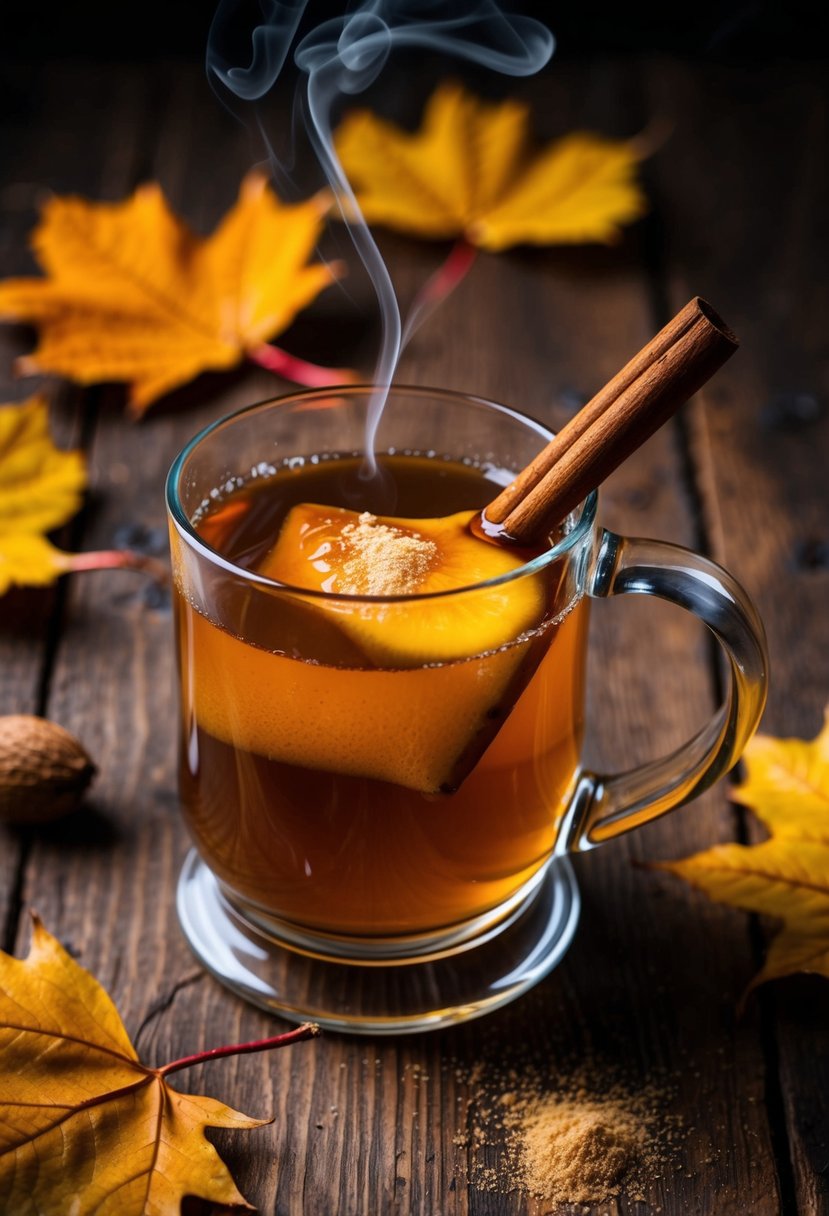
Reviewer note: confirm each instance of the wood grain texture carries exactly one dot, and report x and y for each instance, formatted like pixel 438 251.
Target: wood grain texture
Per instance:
pixel 651 984
pixel 761 440
pixel 37 157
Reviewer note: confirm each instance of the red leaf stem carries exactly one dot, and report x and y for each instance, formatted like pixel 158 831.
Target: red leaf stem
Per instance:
pixel 116 559
pixel 312 375
pixel 308 1030
pixel 440 284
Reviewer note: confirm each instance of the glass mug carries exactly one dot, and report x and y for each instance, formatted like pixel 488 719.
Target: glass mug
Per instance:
pixel 383 791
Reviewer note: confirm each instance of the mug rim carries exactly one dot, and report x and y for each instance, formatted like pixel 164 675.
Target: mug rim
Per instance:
pixel 585 512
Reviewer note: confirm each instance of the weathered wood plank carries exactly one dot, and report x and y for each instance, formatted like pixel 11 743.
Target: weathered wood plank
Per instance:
pixel 757 243
pixel 45 149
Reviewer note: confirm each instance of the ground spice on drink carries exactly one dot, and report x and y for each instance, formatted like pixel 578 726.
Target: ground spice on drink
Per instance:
pixel 382 560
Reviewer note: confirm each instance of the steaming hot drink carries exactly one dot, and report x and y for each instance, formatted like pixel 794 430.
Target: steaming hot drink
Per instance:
pixel 382 713
pixel 387 748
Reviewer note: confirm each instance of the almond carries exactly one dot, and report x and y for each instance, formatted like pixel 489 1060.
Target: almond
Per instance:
pixel 44 770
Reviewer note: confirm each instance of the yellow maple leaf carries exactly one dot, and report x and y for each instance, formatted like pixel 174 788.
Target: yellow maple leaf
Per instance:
pixel 787 876
pixel 468 172
pixel 85 1127
pixel 787 784
pixel 40 488
pixel 30 561
pixel 40 485
pixel 131 294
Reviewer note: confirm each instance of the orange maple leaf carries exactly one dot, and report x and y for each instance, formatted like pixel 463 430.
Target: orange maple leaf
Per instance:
pixel 87 1128
pixel 131 294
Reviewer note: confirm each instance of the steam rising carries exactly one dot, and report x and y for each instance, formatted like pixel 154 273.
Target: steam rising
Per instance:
pixel 345 55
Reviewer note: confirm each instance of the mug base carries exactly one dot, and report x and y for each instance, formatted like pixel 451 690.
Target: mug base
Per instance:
pixel 366 998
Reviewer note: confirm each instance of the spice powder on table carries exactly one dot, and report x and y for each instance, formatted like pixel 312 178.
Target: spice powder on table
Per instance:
pixel 579 1151
pixel 582 1141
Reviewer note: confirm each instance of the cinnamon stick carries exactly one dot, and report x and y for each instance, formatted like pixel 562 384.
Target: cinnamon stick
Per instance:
pixel 621 416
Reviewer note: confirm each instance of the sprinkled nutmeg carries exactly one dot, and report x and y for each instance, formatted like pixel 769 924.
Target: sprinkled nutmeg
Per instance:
pixel 43 770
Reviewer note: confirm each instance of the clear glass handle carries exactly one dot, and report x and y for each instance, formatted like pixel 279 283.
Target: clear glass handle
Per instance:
pixel 606 806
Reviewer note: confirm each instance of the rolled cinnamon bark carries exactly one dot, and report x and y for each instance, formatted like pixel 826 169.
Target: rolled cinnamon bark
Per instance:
pixel 616 421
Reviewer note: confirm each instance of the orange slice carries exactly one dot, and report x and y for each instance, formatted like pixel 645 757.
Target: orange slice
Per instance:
pixel 349 555
pixel 421 728
pixel 418 687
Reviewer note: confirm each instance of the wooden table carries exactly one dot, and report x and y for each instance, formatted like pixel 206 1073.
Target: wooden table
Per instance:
pixel 739 194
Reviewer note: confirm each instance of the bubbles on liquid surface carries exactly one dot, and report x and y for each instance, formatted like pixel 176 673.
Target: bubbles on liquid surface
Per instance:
pixel 497 474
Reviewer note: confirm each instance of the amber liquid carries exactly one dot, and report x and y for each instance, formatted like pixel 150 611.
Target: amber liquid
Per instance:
pixel 301 762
